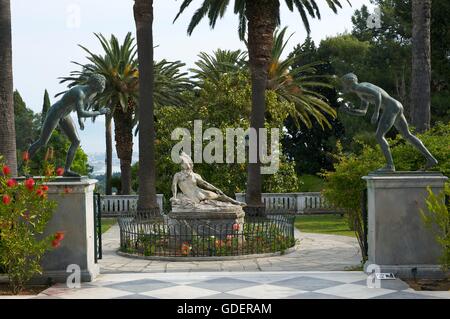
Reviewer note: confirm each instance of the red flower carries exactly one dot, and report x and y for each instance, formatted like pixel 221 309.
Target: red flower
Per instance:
pixel 185 248
pixel 40 192
pixel 25 156
pixel 56 243
pixel 29 183
pixel 236 227
pixel 60 171
pixel 44 188
pixel 11 183
pixel 6 170
pixel 59 235
pixel 6 199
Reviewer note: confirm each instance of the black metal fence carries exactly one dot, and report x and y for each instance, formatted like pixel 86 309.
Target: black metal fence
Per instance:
pixel 182 238
pixel 98 251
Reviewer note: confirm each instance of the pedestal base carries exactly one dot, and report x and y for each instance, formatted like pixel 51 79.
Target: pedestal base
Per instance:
pixel 397 237
pixel 186 223
pixel 74 215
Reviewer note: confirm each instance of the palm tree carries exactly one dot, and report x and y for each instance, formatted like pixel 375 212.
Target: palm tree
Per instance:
pixel 212 67
pixel 108 154
pixel 7 128
pixel 297 85
pixel 143 17
pixel 421 65
pixel 170 83
pixel 260 18
pixel 119 66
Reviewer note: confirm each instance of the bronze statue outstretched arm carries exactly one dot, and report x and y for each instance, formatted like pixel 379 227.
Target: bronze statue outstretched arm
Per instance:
pixel 354 111
pixel 82 113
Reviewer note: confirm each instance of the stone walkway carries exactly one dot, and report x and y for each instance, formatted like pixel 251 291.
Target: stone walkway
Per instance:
pixel 237 285
pixel 314 252
pixel 323 257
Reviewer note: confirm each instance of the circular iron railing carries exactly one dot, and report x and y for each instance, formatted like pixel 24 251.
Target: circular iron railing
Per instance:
pixel 162 237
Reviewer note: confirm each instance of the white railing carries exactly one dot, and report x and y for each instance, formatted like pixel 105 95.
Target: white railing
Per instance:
pixel 115 205
pixel 299 203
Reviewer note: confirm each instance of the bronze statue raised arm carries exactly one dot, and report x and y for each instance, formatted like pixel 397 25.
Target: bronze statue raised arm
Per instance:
pixel 76 99
pixel 392 115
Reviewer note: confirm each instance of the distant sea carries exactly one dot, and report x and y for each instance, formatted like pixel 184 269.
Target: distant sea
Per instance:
pixel 97 161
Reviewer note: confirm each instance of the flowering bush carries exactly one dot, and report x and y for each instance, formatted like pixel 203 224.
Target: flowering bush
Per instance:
pixel 437 220
pixel 24 213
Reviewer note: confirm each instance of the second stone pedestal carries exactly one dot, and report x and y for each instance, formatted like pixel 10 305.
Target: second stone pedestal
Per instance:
pixel 398 240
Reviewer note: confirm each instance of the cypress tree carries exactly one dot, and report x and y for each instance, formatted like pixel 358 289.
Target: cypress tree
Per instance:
pixel 45 106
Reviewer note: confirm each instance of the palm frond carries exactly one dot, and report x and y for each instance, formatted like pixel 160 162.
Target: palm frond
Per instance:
pixel 212 67
pixel 299 85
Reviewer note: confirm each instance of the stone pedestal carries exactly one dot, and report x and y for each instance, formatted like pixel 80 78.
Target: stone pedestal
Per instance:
pixel 397 238
pixel 205 221
pixel 74 215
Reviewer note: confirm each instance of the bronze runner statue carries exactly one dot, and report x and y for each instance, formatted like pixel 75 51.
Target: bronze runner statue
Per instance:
pixel 392 115
pixel 76 99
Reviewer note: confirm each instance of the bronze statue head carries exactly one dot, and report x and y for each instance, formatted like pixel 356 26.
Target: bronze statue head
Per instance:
pixel 348 80
pixel 97 82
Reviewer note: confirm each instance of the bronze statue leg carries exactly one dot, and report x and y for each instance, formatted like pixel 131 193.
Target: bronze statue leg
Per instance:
pixel 402 126
pixel 47 129
pixel 386 122
pixel 67 126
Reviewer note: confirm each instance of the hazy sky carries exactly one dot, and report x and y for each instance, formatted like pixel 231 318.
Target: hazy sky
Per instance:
pixel 46 34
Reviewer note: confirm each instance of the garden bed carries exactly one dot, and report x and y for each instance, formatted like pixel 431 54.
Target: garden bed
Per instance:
pixel 31 290
pixel 429 284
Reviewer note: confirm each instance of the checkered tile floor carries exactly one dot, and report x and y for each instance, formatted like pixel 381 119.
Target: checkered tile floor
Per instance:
pixel 267 285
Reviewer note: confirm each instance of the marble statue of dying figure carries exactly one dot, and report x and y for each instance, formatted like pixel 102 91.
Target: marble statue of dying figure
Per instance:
pixel 392 116
pixel 195 190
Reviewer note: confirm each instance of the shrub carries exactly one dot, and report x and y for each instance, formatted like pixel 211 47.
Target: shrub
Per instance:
pixel 344 187
pixel 24 213
pixel 437 220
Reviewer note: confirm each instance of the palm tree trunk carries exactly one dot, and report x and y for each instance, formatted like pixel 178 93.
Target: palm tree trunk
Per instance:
pixel 261 17
pixel 143 16
pixel 421 65
pixel 108 157
pixel 7 127
pixel 123 133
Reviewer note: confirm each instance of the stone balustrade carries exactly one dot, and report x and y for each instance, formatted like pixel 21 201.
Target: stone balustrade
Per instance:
pixel 298 203
pixel 116 205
